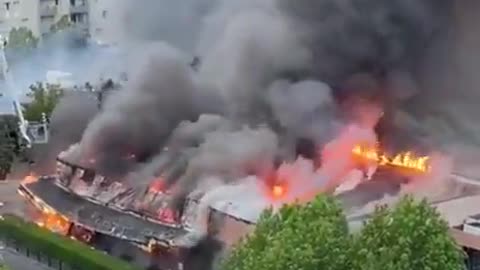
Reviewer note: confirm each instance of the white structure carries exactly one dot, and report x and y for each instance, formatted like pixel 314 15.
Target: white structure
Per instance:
pixel 40 15
pixel 63 79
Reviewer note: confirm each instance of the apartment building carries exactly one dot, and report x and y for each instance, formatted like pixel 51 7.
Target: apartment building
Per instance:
pixel 40 15
pixel 104 20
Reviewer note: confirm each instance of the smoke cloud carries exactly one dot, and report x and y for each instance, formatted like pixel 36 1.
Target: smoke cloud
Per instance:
pixel 230 155
pixel 303 68
pixel 67 52
pixel 68 121
pixel 337 73
pixel 305 109
pixel 138 119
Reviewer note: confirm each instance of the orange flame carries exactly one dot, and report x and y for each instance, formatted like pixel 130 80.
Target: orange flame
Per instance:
pixel 31 178
pixel 157 186
pixel 402 160
pixel 278 191
pixel 53 221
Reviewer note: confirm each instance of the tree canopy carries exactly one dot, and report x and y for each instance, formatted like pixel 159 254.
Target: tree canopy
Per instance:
pixel 21 38
pixel 44 99
pixel 315 236
pixel 8 144
pixel 410 236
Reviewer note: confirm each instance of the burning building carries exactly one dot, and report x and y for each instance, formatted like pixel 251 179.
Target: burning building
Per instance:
pixel 79 202
pixel 177 151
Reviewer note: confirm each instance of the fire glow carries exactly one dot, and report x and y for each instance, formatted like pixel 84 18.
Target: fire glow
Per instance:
pixel 404 160
pixel 31 178
pixel 278 191
pixel 53 221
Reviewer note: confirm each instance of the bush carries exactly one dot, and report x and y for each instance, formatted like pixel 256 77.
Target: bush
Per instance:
pixel 21 38
pixel 71 252
pixel 44 99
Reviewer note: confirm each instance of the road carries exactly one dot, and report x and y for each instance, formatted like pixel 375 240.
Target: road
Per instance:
pixel 13 202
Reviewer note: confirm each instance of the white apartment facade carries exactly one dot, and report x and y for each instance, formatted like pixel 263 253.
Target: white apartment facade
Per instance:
pixel 40 15
pixel 105 19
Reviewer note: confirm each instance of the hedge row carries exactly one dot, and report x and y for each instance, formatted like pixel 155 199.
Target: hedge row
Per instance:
pixel 73 253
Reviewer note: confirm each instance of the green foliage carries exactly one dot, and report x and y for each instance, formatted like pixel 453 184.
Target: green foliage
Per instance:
pixel 410 236
pixel 44 100
pixel 8 143
pixel 313 236
pixel 61 24
pixel 69 251
pixel 21 38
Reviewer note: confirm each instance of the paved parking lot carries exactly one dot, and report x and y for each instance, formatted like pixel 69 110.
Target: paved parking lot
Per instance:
pixel 12 201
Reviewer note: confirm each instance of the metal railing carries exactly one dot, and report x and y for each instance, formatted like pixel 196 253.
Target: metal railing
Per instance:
pixel 41 258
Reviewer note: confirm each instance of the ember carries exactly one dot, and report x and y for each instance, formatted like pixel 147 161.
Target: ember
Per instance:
pixel 402 160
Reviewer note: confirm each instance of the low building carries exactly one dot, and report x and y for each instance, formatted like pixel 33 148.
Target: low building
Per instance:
pixel 467 232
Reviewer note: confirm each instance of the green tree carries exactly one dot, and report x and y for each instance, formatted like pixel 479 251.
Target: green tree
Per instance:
pixel 21 38
pixel 62 24
pixel 8 144
pixel 44 99
pixel 412 235
pixel 312 236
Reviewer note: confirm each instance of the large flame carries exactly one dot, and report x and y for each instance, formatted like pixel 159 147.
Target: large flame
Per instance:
pixel 53 221
pixel 405 160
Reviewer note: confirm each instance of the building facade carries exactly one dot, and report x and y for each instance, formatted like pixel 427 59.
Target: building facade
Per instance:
pixel 40 16
pixel 105 18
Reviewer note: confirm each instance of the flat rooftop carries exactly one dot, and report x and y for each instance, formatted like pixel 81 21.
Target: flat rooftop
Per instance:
pixel 98 217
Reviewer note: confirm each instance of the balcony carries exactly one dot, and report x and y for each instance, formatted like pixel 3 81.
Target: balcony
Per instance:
pixel 48 11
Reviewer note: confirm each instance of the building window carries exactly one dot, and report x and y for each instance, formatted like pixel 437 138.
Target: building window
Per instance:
pixel 72 2
pixel 7 5
pixel 78 18
pixel 88 176
pixel 56 2
pixel 104 14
